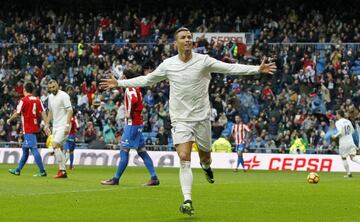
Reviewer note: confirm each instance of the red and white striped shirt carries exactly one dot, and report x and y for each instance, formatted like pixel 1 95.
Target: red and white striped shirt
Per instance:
pixel 74 125
pixel 30 108
pixel 133 106
pixel 239 133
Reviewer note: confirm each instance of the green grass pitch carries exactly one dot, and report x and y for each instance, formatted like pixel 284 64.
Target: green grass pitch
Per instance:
pixel 250 196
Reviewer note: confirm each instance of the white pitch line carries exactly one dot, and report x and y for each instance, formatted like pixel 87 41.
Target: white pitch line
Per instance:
pixel 70 191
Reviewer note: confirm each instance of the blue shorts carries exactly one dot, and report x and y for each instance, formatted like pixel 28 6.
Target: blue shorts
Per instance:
pixel 70 143
pixel 240 147
pixel 29 141
pixel 132 137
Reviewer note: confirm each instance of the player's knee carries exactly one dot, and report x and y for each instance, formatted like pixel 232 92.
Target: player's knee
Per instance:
pixel 184 156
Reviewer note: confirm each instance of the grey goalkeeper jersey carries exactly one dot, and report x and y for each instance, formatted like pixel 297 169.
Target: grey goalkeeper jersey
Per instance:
pixel 189 83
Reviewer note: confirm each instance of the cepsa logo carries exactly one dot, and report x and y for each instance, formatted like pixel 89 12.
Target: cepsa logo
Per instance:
pixel 252 163
pixel 297 164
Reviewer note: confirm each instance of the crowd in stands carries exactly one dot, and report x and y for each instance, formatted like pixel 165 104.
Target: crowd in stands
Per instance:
pixel 294 106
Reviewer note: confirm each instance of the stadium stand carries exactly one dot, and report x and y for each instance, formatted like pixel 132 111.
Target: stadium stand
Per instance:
pixel 317 55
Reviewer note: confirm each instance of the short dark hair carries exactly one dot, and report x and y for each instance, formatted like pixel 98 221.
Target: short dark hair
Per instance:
pixel 52 81
pixel 129 74
pixel 180 30
pixel 341 113
pixel 29 87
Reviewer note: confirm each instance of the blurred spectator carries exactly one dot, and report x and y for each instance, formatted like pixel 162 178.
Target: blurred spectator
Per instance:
pixel 3 137
pixel 149 99
pixel 297 145
pixel 162 137
pixel 148 141
pixel 109 132
pixel 272 128
pixel 221 145
pixel 270 146
pixel 89 133
pixel 257 145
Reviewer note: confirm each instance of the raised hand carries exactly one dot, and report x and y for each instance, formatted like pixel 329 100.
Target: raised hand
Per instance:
pixel 108 83
pixel 269 68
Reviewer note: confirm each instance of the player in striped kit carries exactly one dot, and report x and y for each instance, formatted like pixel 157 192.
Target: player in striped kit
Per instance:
pixel 70 144
pixel 30 108
pixel 239 133
pixel 132 137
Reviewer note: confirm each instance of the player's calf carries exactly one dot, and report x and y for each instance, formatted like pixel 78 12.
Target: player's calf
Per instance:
pixel 208 174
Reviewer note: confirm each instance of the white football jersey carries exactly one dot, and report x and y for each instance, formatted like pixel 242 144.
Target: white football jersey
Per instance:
pixel 189 83
pixel 58 105
pixel 346 129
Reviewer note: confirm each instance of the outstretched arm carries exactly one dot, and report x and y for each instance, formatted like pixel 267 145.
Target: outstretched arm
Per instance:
pixel 150 79
pixel 227 68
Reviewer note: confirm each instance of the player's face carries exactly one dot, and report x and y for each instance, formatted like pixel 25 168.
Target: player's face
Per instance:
pixel 184 41
pixel 53 88
pixel 237 119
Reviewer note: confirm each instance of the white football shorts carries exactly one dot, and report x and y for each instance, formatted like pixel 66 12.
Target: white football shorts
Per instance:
pixel 196 131
pixel 348 150
pixel 59 136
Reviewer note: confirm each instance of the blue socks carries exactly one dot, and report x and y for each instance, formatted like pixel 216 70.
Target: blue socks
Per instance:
pixel 123 162
pixel 38 159
pixel 71 159
pixel 149 164
pixel 25 157
pixel 240 161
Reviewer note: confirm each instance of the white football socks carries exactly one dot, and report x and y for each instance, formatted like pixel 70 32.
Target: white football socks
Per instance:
pixel 67 156
pixel 346 166
pixel 60 159
pixel 186 179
